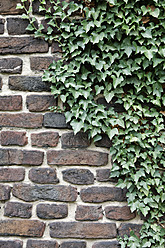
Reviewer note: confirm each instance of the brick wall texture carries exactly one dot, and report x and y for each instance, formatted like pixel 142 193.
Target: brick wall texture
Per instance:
pixel 55 189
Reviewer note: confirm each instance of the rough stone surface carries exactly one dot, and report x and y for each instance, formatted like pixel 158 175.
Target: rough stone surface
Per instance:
pixel 80 157
pixel 17 209
pixel 73 244
pixel 17 26
pixel 109 244
pixel 23 120
pixel 10 103
pixel 5 192
pixel 25 83
pixel 11 65
pixel 125 229
pixel 9 7
pixel 42 244
pixel 43 175
pixel 78 176
pixel 12 174
pixel 55 48
pixel 21 45
pixel 89 213
pixel 55 120
pixel 2 21
pixel 11 244
pixel 80 140
pixel 119 213
pixel 0 83
pixel 13 138
pixel 20 157
pixel 45 139
pixel 52 211
pixel 102 194
pixel 25 228
pixel 27 192
pixel 103 175
pixel 104 142
pixel 40 63
pixel 39 103
pixel 83 230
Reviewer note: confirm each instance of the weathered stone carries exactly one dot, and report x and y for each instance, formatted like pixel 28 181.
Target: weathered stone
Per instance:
pixel 23 120
pixel 13 138
pixel 125 229
pixel 55 120
pixel 25 228
pixel 78 176
pixel 89 213
pixel 25 83
pixel 40 63
pixel 2 21
pixel 17 26
pixel 52 211
pixel 73 244
pixel 104 142
pixel 80 140
pixel 45 139
pixel 0 83
pixel 41 244
pixel 83 230
pixel 119 213
pixel 77 157
pixel 108 244
pixel 5 192
pixel 43 175
pixel 11 65
pixel 17 209
pixel 11 244
pixel 39 103
pixel 12 174
pixel 8 7
pixel 103 175
pixel 27 192
pixel 102 194
pixel 10 103
pixel 20 45
pixel 20 157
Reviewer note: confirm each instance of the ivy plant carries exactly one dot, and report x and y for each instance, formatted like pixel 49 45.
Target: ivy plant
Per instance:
pixel 115 50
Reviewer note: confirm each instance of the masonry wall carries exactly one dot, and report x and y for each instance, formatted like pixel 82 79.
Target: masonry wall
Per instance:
pixel 55 189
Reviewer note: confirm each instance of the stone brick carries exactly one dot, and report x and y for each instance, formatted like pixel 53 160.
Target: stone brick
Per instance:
pixel 125 228
pixel 5 192
pixel 13 138
pixel 41 244
pixel 45 139
pixel 10 103
pixel 39 103
pixel 77 157
pixel 36 5
pixel 55 47
pixel 0 83
pixel 89 213
pixel 8 7
pixel 11 244
pixel 20 157
pixel 83 230
pixel 25 228
pixel 21 45
pixel 104 142
pixel 80 140
pixel 17 209
pixel 55 120
pixel 17 26
pixel 52 211
pixel 102 194
pixel 103 175
pixel 40 63
pixel 11 65
pixel 43 175
pixel 23 120
pixel 78 176
pixel 119 213
pixel 73 244
pixel 27 192
pixel 45 23
pixel 2 21
pixel 117 107
pixel 108 244
pixel 25 83
pixel 12 174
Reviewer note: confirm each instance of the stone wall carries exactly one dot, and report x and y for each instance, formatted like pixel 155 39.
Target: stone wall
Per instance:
pixel 55 189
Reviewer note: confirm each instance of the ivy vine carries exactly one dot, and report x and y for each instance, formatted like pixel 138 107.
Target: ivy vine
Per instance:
pixel 115 49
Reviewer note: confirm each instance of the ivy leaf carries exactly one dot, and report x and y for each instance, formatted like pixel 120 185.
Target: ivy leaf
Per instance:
pixel 108 95
pixel 76 125
pixel 112 132
pixel 155 13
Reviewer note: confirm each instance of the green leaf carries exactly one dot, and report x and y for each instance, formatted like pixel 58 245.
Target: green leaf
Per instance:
pixel 112 132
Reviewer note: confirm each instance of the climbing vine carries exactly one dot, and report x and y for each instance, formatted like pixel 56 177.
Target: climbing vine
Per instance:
pixel 114 52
